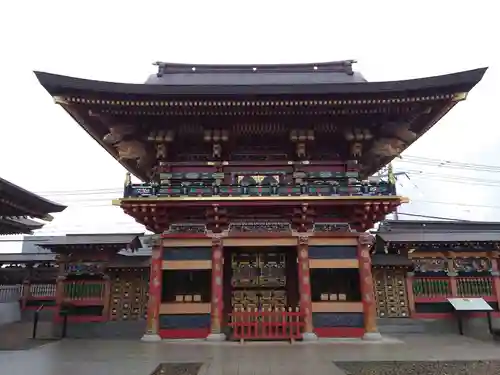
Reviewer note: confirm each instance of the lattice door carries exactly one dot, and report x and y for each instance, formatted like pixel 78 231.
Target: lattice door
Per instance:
pixel 390 293
pixel 129 298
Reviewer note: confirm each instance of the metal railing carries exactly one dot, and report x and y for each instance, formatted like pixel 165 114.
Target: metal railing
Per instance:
pixel 11 293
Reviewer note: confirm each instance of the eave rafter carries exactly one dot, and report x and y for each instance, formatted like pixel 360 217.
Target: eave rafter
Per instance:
pixel 20 209
pixel 217 216
pixel 175 103
pixel 154 217
pixel 369 213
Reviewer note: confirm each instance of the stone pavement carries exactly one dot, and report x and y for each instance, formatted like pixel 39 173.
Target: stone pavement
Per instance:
pixel 93 357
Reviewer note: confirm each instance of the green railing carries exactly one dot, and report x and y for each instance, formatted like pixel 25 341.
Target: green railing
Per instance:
pixel 474 286
pixel 431 287
pixel 83 290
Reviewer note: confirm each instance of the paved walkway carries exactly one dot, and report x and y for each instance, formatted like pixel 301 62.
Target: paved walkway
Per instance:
pixel 86 357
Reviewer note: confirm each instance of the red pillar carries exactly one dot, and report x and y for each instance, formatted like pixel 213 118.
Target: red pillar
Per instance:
pixel 496 278
pixel 155 286
pixel 305 287
pixel 409 292
pixel 365 241
pixel 217 298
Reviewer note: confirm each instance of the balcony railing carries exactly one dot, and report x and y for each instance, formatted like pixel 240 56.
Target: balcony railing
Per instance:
pixel 332 190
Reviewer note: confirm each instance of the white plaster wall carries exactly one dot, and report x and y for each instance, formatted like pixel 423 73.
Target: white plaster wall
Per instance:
pixel 9 312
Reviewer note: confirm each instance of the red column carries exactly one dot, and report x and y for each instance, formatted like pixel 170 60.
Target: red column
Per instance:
pixel 365 241
pixel 496 278
pixel 305 287
pixel 409 292
pixel 452 277
pixel 155 286
pixel 217 297
pixel 107 296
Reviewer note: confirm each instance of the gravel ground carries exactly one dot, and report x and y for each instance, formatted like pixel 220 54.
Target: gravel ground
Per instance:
pixel 421 368
pixel 177 369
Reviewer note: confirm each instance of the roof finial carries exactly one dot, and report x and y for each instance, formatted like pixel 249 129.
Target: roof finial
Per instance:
pixel 128 179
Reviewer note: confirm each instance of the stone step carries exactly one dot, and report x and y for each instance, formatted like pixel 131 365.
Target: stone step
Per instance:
pixel 397 321
pixel 131 330
pixel 408 325
pixel 45 315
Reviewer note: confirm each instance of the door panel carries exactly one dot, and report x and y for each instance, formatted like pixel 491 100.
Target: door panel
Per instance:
pixel 390 293
pixel 129 294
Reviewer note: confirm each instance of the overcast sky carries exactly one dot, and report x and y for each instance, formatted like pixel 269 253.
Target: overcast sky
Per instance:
pixel 42 149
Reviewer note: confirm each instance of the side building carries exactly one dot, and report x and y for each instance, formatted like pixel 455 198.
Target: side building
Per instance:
pixel 18 208
pixel 256 180
pixel 419 264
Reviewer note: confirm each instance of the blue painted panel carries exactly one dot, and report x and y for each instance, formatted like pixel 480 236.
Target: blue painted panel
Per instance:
pixel 333 252
pixel 321 320
pixel 185 321
pixel 187 253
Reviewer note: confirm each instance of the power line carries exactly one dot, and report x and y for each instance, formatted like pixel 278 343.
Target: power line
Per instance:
pixel 433 217
pixel 449 164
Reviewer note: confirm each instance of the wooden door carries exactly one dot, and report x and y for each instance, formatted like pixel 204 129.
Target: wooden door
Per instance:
pixel 129 293
pixel 390 293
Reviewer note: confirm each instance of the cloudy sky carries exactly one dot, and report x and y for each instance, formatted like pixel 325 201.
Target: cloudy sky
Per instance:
pixel 43 150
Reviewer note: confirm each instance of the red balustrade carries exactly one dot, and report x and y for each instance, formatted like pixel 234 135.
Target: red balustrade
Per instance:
pixel 266 325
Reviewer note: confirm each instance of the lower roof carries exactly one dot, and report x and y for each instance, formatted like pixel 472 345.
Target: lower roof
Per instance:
pixel 117 262
pixel 419 237
pixel 18 225
pixel 72 241
pixel 37 205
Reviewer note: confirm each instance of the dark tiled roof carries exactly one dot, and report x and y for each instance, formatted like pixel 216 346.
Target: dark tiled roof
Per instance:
pixel 391 260
pixel 38 203
pixel 125 240
pixel 439 226
pixel 18 225
pixel 415 237
pixel 276 80
pixel 26 257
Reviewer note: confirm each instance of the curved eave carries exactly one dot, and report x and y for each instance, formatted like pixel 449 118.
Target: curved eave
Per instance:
pixel 15 225
pixel 32 200
pixel 61 85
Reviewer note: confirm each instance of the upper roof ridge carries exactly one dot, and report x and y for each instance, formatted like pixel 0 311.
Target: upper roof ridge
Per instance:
pixel 341 66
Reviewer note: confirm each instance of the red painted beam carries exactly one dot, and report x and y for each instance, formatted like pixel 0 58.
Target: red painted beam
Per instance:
pixel 339 332
pixel 196 333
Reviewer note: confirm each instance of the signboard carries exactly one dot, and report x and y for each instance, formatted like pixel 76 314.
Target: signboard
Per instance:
pixel 470 304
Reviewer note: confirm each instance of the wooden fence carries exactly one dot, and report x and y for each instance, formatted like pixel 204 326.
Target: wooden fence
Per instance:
pixel 253 324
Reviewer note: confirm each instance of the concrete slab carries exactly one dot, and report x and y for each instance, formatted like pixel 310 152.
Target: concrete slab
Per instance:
pixel 113 357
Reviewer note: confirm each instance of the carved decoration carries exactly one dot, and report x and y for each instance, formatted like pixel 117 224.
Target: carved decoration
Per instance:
pixel 356 149
pixel 366 239
pixel 472 264
pixel 117 133
pixel 430 265
pixel 388 147
pixel 161 151
pixel 260 227
pixel 332 227
pixel 130 150
pixel 300 138
pixel 187 228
